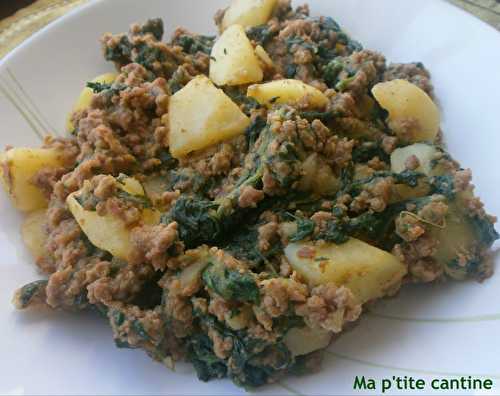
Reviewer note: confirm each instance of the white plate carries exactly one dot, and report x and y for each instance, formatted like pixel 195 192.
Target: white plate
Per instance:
pixel 427 332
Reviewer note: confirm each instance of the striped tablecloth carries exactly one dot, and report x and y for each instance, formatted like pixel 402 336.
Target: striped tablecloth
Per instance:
pixel 17 28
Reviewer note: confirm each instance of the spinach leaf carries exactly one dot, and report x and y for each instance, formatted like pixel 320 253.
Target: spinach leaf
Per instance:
pixel 231 284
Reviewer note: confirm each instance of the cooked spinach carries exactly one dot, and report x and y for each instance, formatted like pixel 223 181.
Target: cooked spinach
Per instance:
pixel 27 293
pixel 192 44
pixel 231 284
pixel 305 228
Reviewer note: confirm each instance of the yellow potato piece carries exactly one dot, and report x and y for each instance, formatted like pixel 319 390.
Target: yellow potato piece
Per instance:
pixel 108 232
pixel 425 153
pixel 264 56
pixel 404 100
pixel 18 166
pixel 456 237
pixel 287 92
pixel 304 340
pixel 191 275
pixel 105 232
pixel 233 60
pixel 240 320
pixel 85 98
pixel 367 271
pixel 130 185
pixel 34 233
pixel 248 13
pixel 202 115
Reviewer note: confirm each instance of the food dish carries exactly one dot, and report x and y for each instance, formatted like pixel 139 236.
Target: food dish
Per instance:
pixel 124 182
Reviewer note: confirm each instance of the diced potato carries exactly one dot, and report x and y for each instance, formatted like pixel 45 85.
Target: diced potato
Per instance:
pixel 287 92
pixel 130 185
pixel 34 233
pixel 233 60
pixel 85 97
pixel 202 115
pixel 264 56
pixel 404 100
pixel 18 166
pixel 369 272
pixel 457 238
pixel 192 274
pixel 425 153
pixel 304 340
pixel 105 232
pixel 248 13
pixel 239 320
pixel 108 232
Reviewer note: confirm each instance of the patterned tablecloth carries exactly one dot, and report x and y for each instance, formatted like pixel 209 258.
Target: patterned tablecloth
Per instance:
pixel 17 28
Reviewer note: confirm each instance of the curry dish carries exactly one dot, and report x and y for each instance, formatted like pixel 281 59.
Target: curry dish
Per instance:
pixel 237 201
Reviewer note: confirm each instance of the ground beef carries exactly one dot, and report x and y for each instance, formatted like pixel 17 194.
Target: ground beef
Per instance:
pixel 412 162
pixel 152 244
pixel 329 307
pixel 375 197
pixel 277 294
pixel 250 197
pixel 268 234
pixel 222 345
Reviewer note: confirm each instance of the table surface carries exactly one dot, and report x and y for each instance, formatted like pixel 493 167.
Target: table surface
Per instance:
pixel 28 20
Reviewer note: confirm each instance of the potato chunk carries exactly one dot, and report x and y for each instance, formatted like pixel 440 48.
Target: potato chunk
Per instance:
pixel 264 56
pixel 34 233
pixel 85 97
pixel 248 13
pixel 369 272
pixel 287 92
pixel 233 60
pixel 424 153
pixel 406 102
pixel 108 232
pixel 304 340
pixel 202 115
pixel 18 167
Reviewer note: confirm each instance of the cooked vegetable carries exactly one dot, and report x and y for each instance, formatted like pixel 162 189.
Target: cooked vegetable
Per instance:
pixel 233 60
pixel 202 115
pixel 35 234
pixel 251 362
pixel 287 92
pixel 31 294
pixel 304 340
pixel 462 241
pixel 240 228
pixel 85 97
pixel 108 232
pixel 264 56
pixel 231 284
pixel 369 272
pixel 424 153
pixel 406 102
pixel 248 13
pixel 18 167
